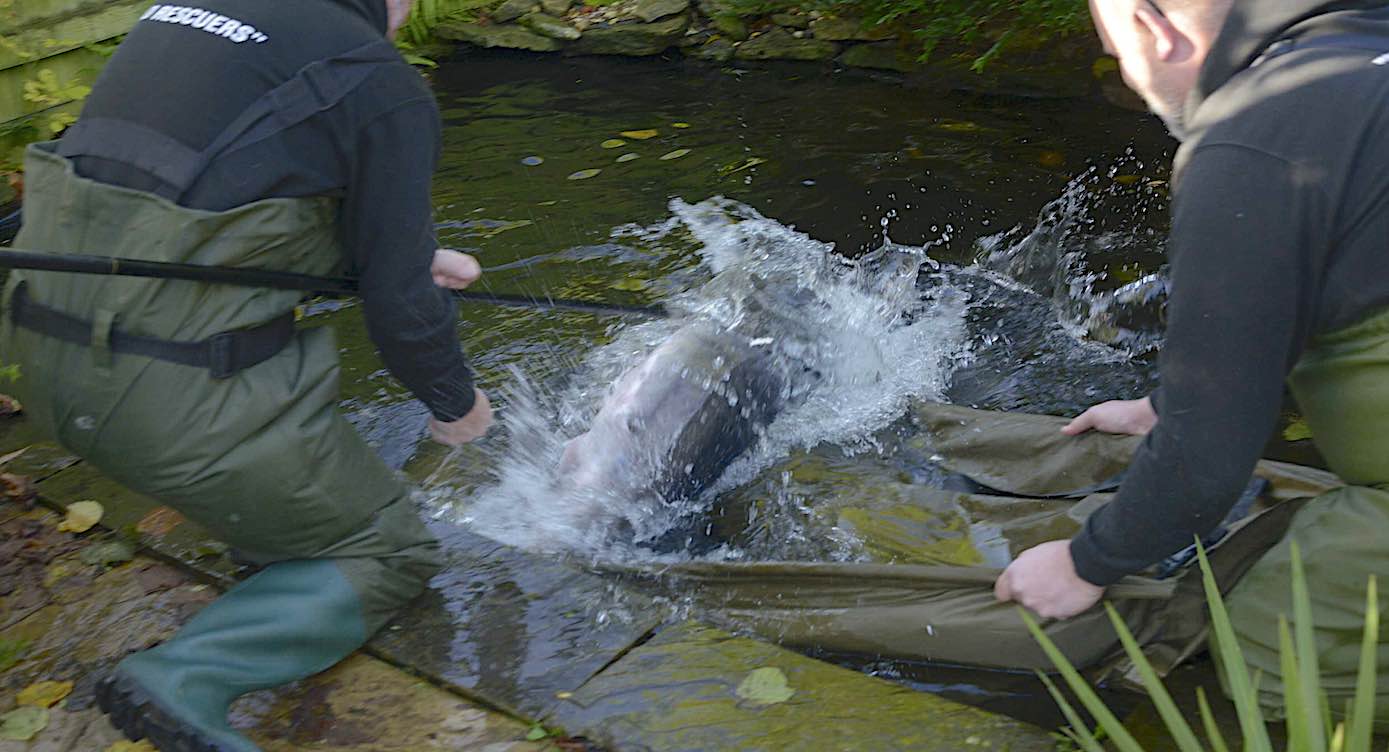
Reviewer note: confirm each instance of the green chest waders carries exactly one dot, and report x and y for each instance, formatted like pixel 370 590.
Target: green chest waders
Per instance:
pixel 1342 386
pixel 200 396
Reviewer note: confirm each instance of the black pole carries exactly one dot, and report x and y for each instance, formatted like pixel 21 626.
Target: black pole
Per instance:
pixel 326 286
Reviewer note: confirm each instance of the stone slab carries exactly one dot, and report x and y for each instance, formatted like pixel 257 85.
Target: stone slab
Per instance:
pixel 91 618
pixel 507 628
pixel 496 35
pixel 515 630
pixel 779 44
pixel 41 458
pixel 686 689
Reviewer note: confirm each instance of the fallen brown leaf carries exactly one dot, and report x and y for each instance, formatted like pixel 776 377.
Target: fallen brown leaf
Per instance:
pixel 9 406
pixel 18 489
pixel 159 522
pixel 44 694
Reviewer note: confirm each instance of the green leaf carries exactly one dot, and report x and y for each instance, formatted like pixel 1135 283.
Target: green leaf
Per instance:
pixel 1296 720
pixel 10 653
pixel 765 686
pixel 1077 731
pixel 678 153
pixel 1176 725
pixel 1213 734
pixel 23 724
pixel 1241 689
pixel 536 733
pixel 1308 665
pixel 1361 717
pixel 641 135
pixel 628 157
pixel 613 143
pixel 1297 430
pixel 584 174
pixel 1123 740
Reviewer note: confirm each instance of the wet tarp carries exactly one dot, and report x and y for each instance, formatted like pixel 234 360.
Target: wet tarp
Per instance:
pixel 928 593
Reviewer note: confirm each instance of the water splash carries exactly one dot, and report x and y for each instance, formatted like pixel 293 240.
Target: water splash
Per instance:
pixel 852 342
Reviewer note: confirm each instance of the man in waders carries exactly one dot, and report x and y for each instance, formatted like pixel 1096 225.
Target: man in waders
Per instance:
pixel 1280 271
pixel 254 134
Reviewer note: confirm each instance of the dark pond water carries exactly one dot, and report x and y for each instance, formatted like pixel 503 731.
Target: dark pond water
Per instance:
pixel 1038 210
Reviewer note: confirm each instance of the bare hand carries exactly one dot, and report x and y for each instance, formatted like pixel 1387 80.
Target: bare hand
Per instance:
pixel 454 270
pixel 468 428
pixel 1133 417
pixel 1043 579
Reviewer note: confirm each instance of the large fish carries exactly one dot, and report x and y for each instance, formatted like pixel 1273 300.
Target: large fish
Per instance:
pixel 674 422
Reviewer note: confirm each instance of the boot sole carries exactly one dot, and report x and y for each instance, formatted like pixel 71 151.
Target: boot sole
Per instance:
pixel 138 716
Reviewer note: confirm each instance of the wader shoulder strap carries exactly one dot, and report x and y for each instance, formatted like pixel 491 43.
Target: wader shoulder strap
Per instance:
pixel 317 86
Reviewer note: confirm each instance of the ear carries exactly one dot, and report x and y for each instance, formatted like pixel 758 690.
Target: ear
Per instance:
pixel 1171 44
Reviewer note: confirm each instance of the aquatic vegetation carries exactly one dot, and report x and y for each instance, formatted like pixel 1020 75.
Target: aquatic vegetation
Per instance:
pixel 1309 719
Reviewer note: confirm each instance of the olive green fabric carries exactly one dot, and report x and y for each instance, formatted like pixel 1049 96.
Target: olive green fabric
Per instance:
pixel 1342 386
pixel 928 596
pixel 262 459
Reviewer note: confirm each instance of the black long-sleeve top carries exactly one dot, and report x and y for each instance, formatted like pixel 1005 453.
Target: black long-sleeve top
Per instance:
pixel 1280 232
pixel 376 151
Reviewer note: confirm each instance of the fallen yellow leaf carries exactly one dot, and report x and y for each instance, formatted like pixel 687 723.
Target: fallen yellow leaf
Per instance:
pixel 141 746
pixel 44 694
pixel 640 135
pixel 82 516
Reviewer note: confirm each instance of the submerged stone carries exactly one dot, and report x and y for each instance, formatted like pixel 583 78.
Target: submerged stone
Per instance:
pixel 694 687
pixel 556 7
pixel 884 56
pixel 505 36
pixel 651 10
pixel 778 44
pixel 632 38
pixel 549 26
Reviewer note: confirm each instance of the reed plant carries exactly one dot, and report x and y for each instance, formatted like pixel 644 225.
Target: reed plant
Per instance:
pixel 1310 723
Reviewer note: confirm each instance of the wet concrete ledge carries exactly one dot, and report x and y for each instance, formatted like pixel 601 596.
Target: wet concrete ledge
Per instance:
pixel 533 638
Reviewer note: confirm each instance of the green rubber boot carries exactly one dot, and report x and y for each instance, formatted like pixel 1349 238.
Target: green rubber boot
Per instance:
pixel 288 621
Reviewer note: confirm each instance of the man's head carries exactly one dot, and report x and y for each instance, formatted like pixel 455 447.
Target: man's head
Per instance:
pixel 1161 45
pixel 396 13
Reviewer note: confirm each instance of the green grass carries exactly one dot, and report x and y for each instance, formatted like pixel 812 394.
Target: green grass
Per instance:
pixel 1310 726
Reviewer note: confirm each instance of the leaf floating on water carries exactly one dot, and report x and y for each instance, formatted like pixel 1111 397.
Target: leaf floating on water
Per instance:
pixel 640 135
pixel 44 694
pixel 748 163
pixel 107 554
pixel 532 161
pixel 765 686
pixel 23 724
pixel 1297 430
pixel 547 203
pixel 124 746
pixel 630 284
pixel 12 455
pixel 1103 66
pixel 628 157
pixel 678 153
pixel 613 143
pixel 585 174
pixel 82 516
pixel 681 126
pixel 10 653
pixel 536 733
pixel 1126 179
pixel 959 126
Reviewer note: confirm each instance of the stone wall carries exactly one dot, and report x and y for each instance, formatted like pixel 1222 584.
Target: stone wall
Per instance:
pixel 713 31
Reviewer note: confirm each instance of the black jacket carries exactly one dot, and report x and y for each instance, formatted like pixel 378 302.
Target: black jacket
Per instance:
pixel 1280 232
pixel 376 151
